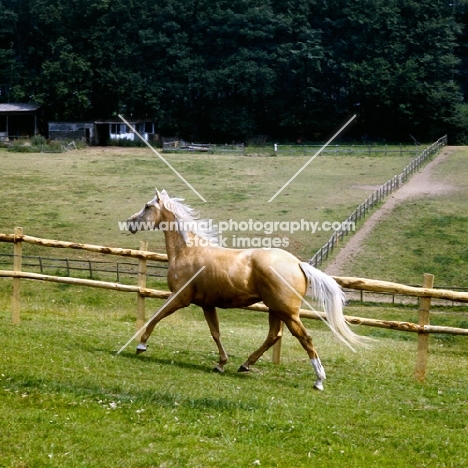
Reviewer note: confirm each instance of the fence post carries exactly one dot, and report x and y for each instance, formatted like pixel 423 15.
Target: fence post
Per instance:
pixel 277 348
pixel 17 261
pixel 423 338
pixel 140 318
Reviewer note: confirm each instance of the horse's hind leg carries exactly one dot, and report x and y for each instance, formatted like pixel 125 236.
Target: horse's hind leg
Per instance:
pixel 211 317
pixel 298 330
pixel 274 334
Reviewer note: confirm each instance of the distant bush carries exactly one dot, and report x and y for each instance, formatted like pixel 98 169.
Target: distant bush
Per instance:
pixel 39 144
pixel 38 140
pixel 22 146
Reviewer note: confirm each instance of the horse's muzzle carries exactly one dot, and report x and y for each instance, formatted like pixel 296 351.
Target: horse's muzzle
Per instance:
pixel 131 226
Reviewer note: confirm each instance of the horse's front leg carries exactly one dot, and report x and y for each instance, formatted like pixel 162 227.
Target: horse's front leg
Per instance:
pixel 168 308
pixel 211 317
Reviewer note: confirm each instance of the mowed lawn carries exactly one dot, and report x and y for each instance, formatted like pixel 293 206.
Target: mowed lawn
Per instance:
pixel 67 398
pixel 82 195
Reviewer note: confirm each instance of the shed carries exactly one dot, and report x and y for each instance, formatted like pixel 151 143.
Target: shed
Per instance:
pixel 107 130
pixel 19 121
pixel 79 131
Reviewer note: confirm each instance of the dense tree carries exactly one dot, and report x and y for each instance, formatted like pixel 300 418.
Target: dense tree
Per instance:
pixel 395 64
pixel 222 70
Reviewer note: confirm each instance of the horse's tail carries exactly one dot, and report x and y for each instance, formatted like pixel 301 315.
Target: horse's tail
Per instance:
pixel 330 297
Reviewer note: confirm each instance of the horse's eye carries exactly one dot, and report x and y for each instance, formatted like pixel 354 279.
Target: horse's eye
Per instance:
pixel 147 206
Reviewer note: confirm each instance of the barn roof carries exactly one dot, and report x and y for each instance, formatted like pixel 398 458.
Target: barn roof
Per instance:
pixel 119 121
pixel 12 108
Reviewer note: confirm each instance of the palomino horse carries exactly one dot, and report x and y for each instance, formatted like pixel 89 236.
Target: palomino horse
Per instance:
pixel 234 278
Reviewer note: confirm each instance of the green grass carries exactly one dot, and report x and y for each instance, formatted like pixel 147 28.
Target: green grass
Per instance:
pixel 67 399
pixel 81 195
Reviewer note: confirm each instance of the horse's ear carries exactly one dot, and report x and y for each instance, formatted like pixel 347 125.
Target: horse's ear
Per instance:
pixel 158 195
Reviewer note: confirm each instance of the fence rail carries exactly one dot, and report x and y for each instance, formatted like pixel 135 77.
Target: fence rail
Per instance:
pixel 374 199
pixel 140 254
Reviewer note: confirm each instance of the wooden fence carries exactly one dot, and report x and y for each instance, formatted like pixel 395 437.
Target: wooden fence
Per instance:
pixel 423 328
pixel 374 199
pixel 364 150
pixel 118 270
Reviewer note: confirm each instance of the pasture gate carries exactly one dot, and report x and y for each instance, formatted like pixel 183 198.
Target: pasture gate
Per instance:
pixel 425 293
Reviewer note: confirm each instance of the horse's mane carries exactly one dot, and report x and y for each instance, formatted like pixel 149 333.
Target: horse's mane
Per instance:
pixel 189 220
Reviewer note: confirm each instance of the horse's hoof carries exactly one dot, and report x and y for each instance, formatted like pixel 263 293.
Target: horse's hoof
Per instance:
pixel 218 369
pixel 141 348
pixel 242 368
pixel 319 385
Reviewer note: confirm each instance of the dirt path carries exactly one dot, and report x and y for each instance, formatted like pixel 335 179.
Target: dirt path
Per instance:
pixel 418 186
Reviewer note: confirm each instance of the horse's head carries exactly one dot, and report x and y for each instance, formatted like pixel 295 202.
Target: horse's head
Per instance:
pixel 149 217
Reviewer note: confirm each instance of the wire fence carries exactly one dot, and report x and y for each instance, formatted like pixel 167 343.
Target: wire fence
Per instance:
pixel 353 295
pixel 89 268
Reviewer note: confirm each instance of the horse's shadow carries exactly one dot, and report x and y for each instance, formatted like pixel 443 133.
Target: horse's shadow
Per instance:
pixel 205 366
pixel 181 364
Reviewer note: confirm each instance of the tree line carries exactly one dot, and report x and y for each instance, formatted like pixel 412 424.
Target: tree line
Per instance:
pixel 219 70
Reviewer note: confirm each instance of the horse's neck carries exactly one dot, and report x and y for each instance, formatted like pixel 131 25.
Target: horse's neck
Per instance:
pixel 175 243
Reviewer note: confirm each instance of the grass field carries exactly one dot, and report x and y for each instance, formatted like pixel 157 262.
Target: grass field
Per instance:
pixel 426 235
pixel 81 195
pixel 67 399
